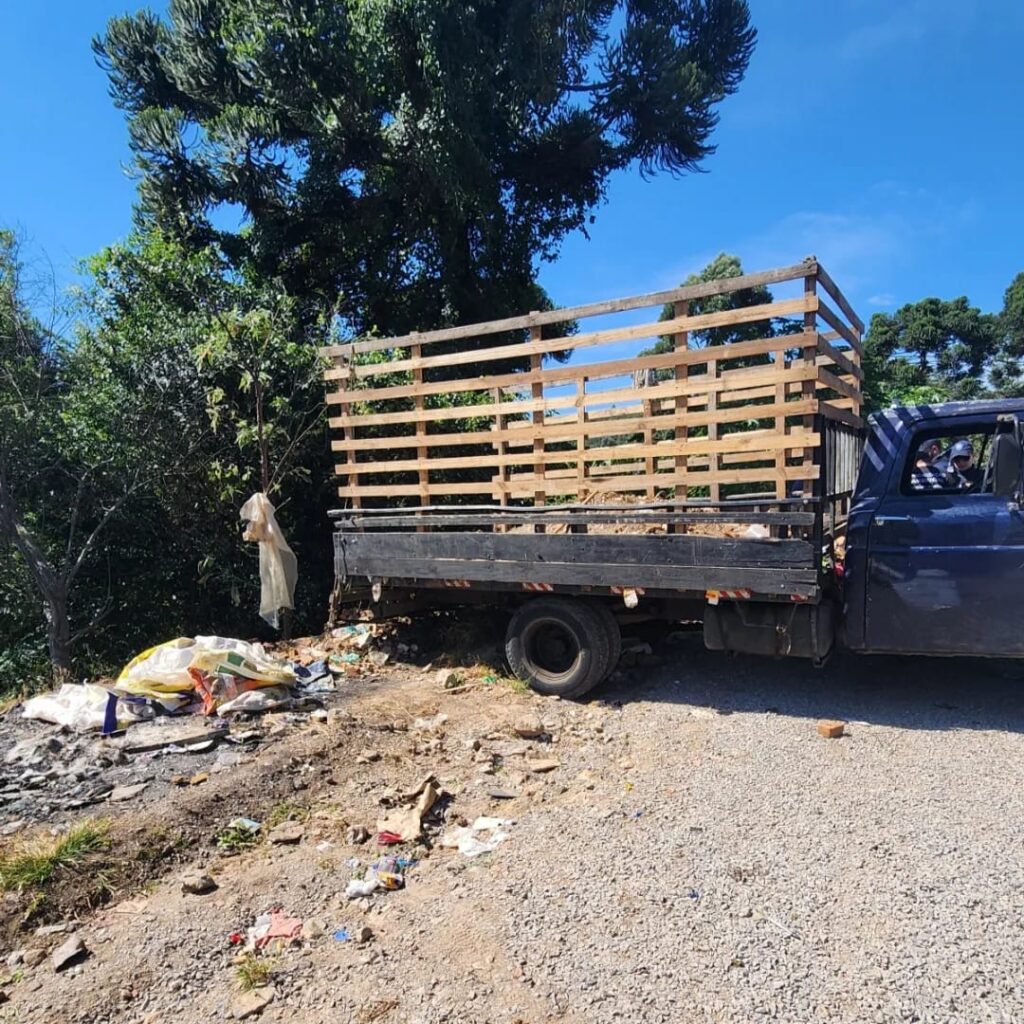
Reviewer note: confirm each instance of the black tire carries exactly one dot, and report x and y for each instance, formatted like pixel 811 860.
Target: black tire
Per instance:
pixel 558 646
pixel 614 634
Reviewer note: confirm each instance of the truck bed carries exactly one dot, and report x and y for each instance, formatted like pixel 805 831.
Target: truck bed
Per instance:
pixel 471 548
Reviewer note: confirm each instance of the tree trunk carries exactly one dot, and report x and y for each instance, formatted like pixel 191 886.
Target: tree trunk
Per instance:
pixel 58 630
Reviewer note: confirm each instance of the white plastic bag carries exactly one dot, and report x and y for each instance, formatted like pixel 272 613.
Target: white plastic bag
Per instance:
pixel 79 706
pixel 278 567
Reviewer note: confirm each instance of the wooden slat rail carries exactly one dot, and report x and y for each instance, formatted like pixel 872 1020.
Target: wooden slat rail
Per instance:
pixel 700 419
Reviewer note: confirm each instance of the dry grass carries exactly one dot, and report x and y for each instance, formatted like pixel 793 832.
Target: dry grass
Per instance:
pixel 32 864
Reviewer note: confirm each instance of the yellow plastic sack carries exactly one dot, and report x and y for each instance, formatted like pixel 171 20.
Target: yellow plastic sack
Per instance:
pixel 279 569
pixel 163 670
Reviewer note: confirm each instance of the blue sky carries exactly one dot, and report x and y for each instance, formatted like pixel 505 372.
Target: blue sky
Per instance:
pixel 885 137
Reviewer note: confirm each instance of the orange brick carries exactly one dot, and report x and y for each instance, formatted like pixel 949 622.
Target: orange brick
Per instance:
pixel 831 730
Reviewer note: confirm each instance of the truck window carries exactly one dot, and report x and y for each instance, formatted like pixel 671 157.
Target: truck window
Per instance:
pixel 945 463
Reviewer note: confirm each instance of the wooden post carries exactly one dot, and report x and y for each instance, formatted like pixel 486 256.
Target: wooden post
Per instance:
pixel 582 472
pixel 422 452
pixel 714 488
pixel 809 389
pixel 681 343
pixel 536 364
pixel 349 434
pixel 781 428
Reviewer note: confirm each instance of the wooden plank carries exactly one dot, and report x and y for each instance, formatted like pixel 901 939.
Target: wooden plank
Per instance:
pixel 834 412
pixel 620 549
pixel 536 362
pixel 572 428
pixel 421 431
pixel 681 370
pixel 699 579
pixel 715 491
pixel 829 354
pixel 840 299
pixel 745 442
pixel 521 380
pixel 510 517
pixel 829 316
pixel 837 384
pixel 731 380
pixel 528 487
pixel 726 318
pixel 557 316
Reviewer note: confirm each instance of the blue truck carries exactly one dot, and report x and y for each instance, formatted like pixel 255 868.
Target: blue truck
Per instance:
pixel 890 557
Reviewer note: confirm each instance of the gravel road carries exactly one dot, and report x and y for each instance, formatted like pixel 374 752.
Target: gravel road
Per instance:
pixel 744 868
pixel 699 854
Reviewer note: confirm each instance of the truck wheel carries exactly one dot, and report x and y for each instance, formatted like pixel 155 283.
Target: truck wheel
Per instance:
pixel 559 646
pixel 614 634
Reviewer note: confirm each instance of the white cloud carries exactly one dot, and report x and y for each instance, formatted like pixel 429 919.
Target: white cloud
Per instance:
pixel 885 300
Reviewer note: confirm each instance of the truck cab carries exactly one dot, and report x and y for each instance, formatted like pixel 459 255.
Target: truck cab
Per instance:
pixel 933 567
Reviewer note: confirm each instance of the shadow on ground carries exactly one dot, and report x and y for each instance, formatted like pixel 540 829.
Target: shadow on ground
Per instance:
pixel 910 692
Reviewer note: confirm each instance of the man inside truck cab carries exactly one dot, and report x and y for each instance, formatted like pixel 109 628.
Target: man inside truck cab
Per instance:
pixel 927 453
pixel 958 468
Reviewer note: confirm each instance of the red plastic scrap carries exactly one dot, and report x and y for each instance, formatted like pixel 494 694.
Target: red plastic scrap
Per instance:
pixel 388 839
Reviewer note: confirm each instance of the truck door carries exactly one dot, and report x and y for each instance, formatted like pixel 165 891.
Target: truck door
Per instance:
pixel 945 572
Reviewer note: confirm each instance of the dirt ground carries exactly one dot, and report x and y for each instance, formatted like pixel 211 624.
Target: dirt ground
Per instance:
pixel 693 851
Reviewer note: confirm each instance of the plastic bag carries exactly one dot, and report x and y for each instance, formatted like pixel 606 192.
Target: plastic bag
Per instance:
pixel 278 567
pixel 162 672
pixel 83 707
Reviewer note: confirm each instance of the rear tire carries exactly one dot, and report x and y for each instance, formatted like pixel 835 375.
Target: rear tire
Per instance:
pixel 614 634
pixel 559 646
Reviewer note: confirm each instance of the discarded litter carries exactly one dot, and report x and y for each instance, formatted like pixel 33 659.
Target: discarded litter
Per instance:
pixel 468 841
pixel 239 834
pixel 82 708
pixel 272 926
pixel 341 935
pixel 278 565
pixel 405 819
pixel 386 873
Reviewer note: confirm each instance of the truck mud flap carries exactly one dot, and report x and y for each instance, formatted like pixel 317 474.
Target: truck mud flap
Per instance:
pixel 779 630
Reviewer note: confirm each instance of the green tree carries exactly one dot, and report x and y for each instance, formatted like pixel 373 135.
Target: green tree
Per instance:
pixel 1007 373
pixel 85 426
pixel 928 351
pixel 408 162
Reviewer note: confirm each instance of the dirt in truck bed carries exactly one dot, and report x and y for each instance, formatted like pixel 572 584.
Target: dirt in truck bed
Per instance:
pixel 683 845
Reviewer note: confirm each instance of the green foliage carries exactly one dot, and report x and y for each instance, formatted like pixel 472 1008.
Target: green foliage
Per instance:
pixel 407 163
pixel 929 351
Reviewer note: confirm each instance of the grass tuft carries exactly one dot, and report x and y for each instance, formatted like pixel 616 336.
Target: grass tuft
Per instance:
pixel 254 972
pixel 286 811
pixel 32 864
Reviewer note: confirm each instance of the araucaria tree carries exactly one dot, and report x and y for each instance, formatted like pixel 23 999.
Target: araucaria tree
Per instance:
pixel 409 162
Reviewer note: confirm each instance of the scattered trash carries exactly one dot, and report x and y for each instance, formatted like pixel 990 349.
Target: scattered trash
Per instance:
pixel 466 839
pixel 81 707
pixel 272 926
pixel 341 935
pixel 406 821
pixel 239 834
pixel 388 839
pixel 831 729
pixel 324 845
pixel 172 672
pixel 386 873
pixel 278 565
pixel 347 658
pixel 69 952
pixel 693 894
pixel 197 883
pixel 186 734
